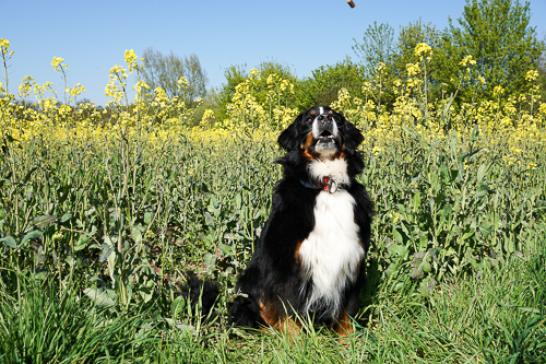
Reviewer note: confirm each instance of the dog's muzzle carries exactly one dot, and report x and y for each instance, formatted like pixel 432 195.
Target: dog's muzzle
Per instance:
pixel 325 130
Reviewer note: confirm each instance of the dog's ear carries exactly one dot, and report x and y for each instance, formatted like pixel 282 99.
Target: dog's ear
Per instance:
pixel 352 137
pixel 288 139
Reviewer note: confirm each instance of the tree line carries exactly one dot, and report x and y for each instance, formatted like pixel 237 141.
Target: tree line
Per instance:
pixel 494 36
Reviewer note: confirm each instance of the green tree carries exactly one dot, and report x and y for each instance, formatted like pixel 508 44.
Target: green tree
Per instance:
pixel 411 35
pixel 325 82
pixel 403 53
pixel 376 45
pixel 166 70
pixel 236 74
pixel 542 74
pixel 497 33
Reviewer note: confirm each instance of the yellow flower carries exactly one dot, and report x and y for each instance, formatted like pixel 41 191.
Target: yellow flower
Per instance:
pixel 140 85
pixel 481 80
pixel 531 165
pixel 366 87
pixel 413 69
pixel 48 104
pixel 287 86
pixel 4 44
pixel 160 95
pixel 117 69
pixel 509 160
pixel 516 150
pixel 376 150
pixel 422 50
pixel 26 86
pixel 131 59
pixel 468 61
pixel 112 90
pixel 64 110
pixel 531 75
pixel 254 73
pixel 542 108
pixel 76 90
pixel 498 90
pixel 208 118
pixel 182 82
pixel 57 63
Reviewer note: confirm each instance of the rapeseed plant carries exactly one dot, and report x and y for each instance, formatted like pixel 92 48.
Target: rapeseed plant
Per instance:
pixel 261 105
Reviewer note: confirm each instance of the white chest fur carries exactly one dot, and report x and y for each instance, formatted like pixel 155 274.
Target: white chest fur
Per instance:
pixel 331 254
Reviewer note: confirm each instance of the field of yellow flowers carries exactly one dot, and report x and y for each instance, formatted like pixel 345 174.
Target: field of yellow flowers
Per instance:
pixel 102 210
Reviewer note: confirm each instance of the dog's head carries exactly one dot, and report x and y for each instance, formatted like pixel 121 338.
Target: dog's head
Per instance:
pixel 321 133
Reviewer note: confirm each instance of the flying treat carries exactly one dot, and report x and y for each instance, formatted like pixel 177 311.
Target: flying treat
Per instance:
pixel 351 3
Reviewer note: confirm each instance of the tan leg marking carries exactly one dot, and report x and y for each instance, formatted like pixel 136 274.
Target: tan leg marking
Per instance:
pixel 268 314
pixel 274 320
pixel 344 327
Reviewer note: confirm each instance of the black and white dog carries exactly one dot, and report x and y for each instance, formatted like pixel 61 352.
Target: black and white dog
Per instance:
pixel 310 255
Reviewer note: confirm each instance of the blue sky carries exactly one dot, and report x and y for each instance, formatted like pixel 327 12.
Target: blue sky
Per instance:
pixel 302 34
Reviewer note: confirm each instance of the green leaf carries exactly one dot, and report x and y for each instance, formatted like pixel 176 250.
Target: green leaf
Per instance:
pixel 426 266
pixel 238 202
pixel 101 297
pixel 148 217
pixel 397 236
pixel 67 216
pixel 44 221
pixel 227 250
pixel 136 233
pixel 482 170
pixel 398 250
pixel 106 250
pixel 33 235
pixel 82 243
pixel 9 241
pixel 208 218
pixel 210 261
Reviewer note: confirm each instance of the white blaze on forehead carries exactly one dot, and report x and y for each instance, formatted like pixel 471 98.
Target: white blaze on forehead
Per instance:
pixel 321 110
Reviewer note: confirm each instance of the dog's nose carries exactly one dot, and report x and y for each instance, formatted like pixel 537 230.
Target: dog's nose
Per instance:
pixel 325 126
pixel 325 121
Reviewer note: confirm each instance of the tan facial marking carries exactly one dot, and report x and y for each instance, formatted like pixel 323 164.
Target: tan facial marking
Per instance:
pixel 306 146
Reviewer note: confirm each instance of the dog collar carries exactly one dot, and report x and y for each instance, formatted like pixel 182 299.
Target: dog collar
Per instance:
pixel 327 183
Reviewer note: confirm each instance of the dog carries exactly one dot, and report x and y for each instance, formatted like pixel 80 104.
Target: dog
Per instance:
pixel 309 258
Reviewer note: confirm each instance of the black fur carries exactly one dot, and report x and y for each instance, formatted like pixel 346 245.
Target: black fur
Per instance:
pixel 274 273
pixel 203 292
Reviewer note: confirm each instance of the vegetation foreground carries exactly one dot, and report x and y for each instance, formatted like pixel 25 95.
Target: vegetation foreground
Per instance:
pixel 97 233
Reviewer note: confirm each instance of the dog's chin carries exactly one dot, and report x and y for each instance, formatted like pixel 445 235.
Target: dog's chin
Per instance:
pixel 326 148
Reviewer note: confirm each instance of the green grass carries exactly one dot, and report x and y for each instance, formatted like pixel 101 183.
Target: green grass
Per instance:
pixel 94 240
pixel 497 317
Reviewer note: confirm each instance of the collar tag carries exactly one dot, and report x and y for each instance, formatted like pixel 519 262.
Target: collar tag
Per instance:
pixel 328 184
pixel 333 186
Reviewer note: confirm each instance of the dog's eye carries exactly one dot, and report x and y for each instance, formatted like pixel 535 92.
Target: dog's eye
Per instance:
pixel 308 120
